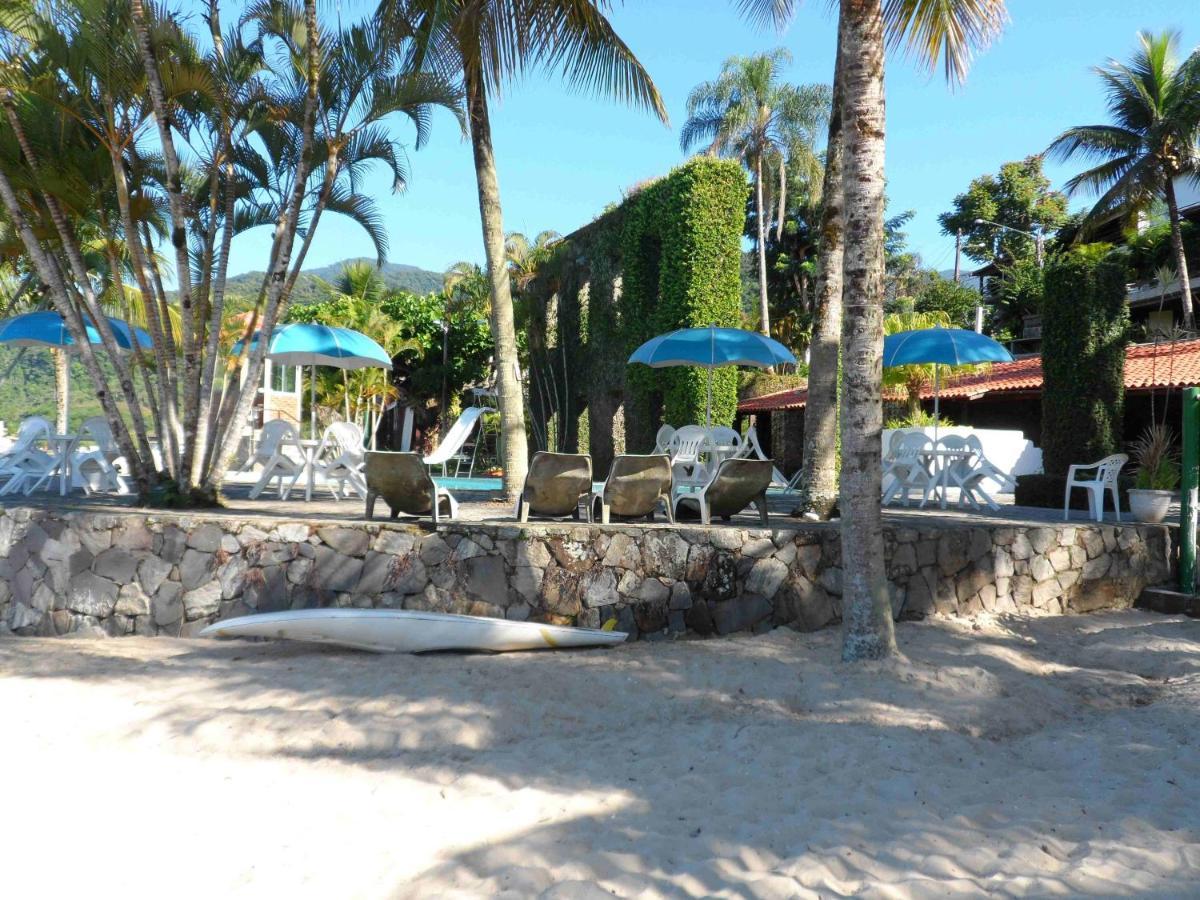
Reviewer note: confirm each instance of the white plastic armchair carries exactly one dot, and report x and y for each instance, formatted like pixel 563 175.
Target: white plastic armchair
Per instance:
pixel 23 460
pixel 687 447
pixel 752 449
pixel 662 440
pixel 340 458
pixel 1105 479
pixel 96 469
pixel 985 469
pixel 31 431
pixel 962 472
pixel 276 438
pixel 906 471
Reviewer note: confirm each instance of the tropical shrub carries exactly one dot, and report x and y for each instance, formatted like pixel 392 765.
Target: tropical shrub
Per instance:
pixel 1084 330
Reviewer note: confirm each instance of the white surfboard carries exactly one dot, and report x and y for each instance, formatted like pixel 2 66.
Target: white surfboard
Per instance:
pixel 409 631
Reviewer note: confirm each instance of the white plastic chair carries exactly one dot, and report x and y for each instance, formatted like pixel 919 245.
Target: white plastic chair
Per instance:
pixel 23 461
pixel 686 448
pixel 986 469
pixel 662 440
pixel 907 471
pixel 271 453
pixel 340 458
pixel 96 469
pixel 1105 479
pixel 752 449
pixel 451 445
pixel 961 473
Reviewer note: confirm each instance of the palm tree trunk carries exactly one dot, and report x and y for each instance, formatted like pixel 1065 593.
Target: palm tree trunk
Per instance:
pixel 1185 287
pixel 764 311
pixel 83 289
pixel 782 199
pixel 51 276
pixel 819 478
pixel 866 610
pixel 176 205
pixel 508 387
pixel 286 224
pixel 62 389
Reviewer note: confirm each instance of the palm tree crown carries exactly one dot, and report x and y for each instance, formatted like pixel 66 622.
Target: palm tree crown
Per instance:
pixel 749 114
pixel 1154 102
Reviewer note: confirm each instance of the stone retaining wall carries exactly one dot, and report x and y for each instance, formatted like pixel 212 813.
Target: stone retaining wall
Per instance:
pixel 67 571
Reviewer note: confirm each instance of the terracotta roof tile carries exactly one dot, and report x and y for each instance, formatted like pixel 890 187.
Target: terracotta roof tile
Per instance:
pixel 1147 366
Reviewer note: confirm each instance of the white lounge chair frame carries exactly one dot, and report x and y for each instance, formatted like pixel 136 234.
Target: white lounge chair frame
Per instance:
pixel 23 461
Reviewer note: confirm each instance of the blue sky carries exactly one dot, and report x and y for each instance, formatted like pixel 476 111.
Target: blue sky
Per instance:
pixel 562 156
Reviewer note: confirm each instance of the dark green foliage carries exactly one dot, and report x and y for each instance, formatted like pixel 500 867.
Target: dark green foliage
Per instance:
pixel 1084 330
pixel 955 300
pixel 675 246
pixel 1020 196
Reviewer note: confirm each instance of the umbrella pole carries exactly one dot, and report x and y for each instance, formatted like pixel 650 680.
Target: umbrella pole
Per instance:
pixel 936 404
pixel 708 404
pixel 312 402
pixel 712 358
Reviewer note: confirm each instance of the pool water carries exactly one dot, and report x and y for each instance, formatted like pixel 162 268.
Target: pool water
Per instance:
pixel 468 484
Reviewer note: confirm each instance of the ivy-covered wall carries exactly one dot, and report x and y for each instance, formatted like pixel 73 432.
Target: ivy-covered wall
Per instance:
pixel 667 257
pixel 1085 323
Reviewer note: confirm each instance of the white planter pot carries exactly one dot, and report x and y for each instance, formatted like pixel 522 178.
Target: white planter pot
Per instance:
pixel 1150 506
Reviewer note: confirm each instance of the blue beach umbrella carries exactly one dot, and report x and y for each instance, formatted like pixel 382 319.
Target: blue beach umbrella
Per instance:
pixel 710 348
pixel 941 346
pixel 46 328
pixel 310 344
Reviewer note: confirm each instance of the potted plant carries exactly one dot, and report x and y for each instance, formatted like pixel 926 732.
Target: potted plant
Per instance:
pixel 1156 476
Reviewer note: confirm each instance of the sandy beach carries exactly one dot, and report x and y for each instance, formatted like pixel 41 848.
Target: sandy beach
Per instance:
pixel 1053 756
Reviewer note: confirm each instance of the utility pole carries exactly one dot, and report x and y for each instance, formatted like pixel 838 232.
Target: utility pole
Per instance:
pixel 957 253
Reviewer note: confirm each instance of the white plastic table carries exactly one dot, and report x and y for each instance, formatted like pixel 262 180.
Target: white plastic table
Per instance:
pixel 939 461
pixel 308 446
pixel 62 447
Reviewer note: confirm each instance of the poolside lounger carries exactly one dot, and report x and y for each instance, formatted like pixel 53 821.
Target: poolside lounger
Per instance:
pixel 403 483
pixel 737 484
pixel 634 487
pixel 555 484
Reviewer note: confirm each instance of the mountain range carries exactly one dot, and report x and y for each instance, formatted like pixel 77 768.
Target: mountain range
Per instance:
pixel 308 286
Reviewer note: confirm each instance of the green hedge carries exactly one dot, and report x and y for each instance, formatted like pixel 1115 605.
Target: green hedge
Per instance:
pixel 1085 324
pixel 681 247
pixel 667 257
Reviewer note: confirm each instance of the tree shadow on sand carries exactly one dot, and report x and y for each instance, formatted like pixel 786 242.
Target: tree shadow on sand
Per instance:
pixel 1047 757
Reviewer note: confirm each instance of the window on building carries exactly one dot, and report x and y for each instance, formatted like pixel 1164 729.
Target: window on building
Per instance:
pixel 283 379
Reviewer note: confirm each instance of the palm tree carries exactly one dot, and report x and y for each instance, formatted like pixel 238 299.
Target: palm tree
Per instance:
pixel 748 114
pixel 1154 102
pixel 929 30
pixel 488 43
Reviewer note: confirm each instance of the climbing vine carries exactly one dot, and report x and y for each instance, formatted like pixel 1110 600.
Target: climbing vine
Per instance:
pixel 1085 323
pixel 667 257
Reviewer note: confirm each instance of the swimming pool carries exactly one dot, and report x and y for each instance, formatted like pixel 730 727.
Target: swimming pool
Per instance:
pixel 468 484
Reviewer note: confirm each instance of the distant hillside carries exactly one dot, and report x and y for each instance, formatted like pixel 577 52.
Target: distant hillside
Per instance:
pixel 308 287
